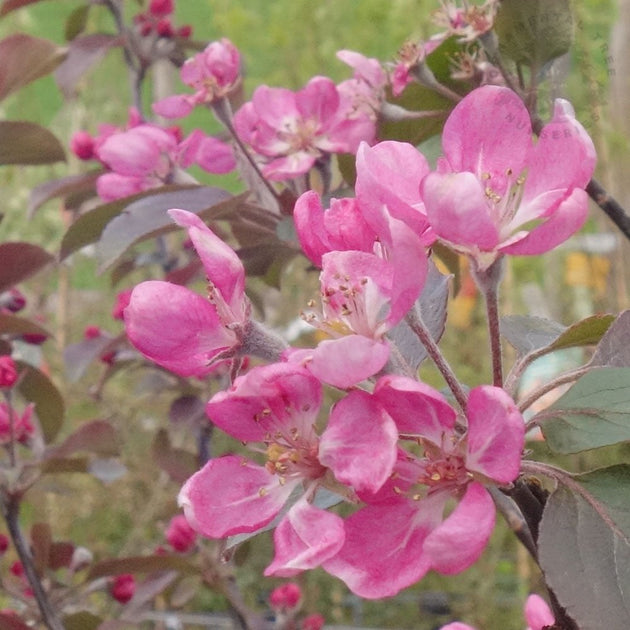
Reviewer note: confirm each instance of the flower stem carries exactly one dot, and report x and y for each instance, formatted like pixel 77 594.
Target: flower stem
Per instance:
pixel 414 319
pixel 10 510
pixel 488 282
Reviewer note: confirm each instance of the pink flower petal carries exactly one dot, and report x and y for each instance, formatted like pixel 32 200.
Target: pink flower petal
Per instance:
pixel 417 409
pixel 459 541
pixel 230 495
pixel 306 537
pixel 176 106
pixel 567 219
pixel 359 443
pixel 381 540
pixel 342 362
pixel 496 431
pixel 280 398
pixel 458 210
pixel 537 613
pixel 488 133
pixel 318 100
pixel 224 268
pixel 175 327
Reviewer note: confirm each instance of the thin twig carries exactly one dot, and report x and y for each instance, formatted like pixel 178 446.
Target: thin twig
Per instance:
pixel 10 511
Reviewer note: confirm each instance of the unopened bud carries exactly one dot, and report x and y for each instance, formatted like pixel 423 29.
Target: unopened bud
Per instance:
pixel 8 371
pixel 123 587
pixel 286 596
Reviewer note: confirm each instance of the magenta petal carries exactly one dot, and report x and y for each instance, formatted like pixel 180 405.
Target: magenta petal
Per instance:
pixel 343 362
pixel 176 106
pixel 224 268
pixel 459 541
pixel 280 398
pixel 175 327
pixel 566 219
pixel 383 551
pixel 318 100
pixel 417 409
pixel 359 443
pixel 537 613
pixel 458 210
pixel 304 538
pixel 230 495
pixel 496 431
pixel 457 625
pixel 488 133
pixel 308 216
pixel 276 107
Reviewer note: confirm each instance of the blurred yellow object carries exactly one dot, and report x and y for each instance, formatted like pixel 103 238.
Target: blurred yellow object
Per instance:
pixel 599 278
pixel 577 271
pixel 460 311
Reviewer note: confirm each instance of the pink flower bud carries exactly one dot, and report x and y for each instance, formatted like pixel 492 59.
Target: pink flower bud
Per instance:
pixel 92 332
pixel 285 596
pixel 123 587
pixel 82 145
pixel 312 622
pixel 35 339
pixel 161 8
pixel 17 569
pixel 4 543
pixel 180 535
pixel 8 371
pixel 164 28
pixel 184 31
pixel 122 301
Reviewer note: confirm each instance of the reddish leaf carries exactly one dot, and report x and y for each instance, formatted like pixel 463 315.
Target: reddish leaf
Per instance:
pixel 87 229
pixel 14 325
pixel 19 261
pixel 65 465
pixel 36 387
pixel 147 218
pixel 41 539
pixel 139 564
pixel 97 436
pixel 83 53
pixel 75 186
pixel 60 555
pixel 28 143
pixel 24 58
pixel 178 463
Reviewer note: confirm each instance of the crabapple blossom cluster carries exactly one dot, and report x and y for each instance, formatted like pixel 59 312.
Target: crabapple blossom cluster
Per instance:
pixel 145 156
pixel 398 449
pixel 158 20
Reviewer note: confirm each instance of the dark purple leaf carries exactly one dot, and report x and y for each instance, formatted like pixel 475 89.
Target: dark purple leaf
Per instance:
pixel 14 325
pixel 139 564
pixel 584 548
pixel 36 387
pixel 178 463
pixel 186 409
pixel 97 436
pixel 613 350
pixel 147 218
pixel 41 540
pixel 73 186
pixel 60 555
pixel 12 622
pixel 24 58
pixel 28 143
pixel 83 52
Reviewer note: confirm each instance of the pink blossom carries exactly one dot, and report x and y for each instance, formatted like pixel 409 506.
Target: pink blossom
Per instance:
pixel 374 561
pixel 365 92
pixel 410 57
pixel 495 191
pixel 147 156
pixel 467 23
pixel 290 131
pixel 213 74
pixel 180 535
pixel 8 371
pixel 122 301
pixel 82 145
pixel 180 330
pixel 276 406
pixel 369 281
pixel 285 596
pixel 23 428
